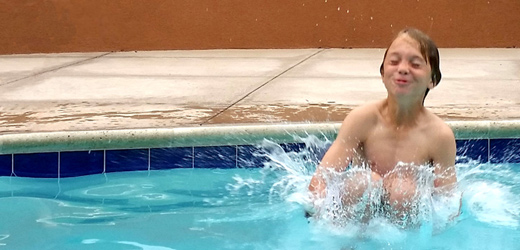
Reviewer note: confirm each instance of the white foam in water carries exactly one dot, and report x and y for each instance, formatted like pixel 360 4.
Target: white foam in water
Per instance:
pixel 485 189
pixel 143 246
pixel 129 243
pixel 89 241
pixel 488 193
pixel 492 203
pixel 3 237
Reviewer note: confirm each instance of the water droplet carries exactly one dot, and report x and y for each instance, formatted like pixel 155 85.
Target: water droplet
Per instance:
pixel 371 18
pixel 348 11
pixel 339 8
pixel 317 25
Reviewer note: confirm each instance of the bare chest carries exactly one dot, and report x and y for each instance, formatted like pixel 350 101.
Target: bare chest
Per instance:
pixel 384 149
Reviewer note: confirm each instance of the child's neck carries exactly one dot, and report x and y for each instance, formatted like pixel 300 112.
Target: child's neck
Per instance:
pixel 404 113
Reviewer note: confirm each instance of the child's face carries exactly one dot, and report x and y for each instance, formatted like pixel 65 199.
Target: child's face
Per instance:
pixel 406 72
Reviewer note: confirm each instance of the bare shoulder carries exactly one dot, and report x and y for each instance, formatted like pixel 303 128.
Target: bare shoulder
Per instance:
pixel 439 129
pixel 364 113
pixel 362 117
pixel 442 147
pixel 359 121
pixel 443 151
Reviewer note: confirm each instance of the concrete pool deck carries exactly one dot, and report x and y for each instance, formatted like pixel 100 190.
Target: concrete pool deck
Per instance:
pixel 168 89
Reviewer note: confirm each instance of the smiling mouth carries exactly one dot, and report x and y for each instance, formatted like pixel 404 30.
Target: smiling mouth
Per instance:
pixel 401 81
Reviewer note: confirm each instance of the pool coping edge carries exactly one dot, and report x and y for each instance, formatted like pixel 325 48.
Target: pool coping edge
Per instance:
pixel 222 135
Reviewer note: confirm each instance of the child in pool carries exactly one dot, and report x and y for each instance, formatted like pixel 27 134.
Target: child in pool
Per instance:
pixel 398 129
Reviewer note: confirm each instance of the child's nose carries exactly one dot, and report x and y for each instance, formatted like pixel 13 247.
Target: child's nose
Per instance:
pixel 403 68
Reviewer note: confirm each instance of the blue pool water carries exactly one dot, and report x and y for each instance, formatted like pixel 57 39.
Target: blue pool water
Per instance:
pixel 258 208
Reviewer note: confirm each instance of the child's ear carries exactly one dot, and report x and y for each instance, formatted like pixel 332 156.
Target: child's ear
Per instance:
pixel 431 85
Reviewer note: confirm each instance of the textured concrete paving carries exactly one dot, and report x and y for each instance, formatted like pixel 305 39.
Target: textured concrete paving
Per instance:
pixel 90 91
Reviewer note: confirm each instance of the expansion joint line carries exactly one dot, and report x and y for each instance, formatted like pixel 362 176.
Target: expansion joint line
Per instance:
pixel 55 68
pixel 261 86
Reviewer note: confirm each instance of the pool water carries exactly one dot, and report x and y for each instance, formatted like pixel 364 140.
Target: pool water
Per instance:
pixel 258 208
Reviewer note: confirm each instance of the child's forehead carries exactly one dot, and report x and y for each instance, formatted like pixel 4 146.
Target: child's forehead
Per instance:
pixel 404 43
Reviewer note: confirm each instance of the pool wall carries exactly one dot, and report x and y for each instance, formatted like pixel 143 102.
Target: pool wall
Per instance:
pixel 51 26
pixel 77 153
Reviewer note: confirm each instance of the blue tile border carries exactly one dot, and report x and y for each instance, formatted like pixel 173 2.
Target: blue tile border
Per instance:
pixel 41 165
pixel 215 157
pixel 77 163
pixel 168 158
pixel 474 149
pixel 505 150
pixel 250 157
pixel 126 160
pixel 81 163
pixel 6 165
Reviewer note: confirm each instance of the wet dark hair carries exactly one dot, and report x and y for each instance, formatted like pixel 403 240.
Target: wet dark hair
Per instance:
pixel 428 50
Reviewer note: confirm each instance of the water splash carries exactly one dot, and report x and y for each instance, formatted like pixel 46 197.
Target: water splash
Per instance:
pixel 489 194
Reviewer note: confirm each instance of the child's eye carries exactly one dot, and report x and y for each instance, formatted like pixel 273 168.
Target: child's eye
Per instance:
pixel 394 62
pixel 416 64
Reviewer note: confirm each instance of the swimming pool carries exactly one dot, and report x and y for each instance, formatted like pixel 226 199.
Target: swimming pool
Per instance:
pixel 227 197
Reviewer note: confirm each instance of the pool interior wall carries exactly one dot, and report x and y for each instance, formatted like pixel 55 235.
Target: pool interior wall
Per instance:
pixel 77 153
